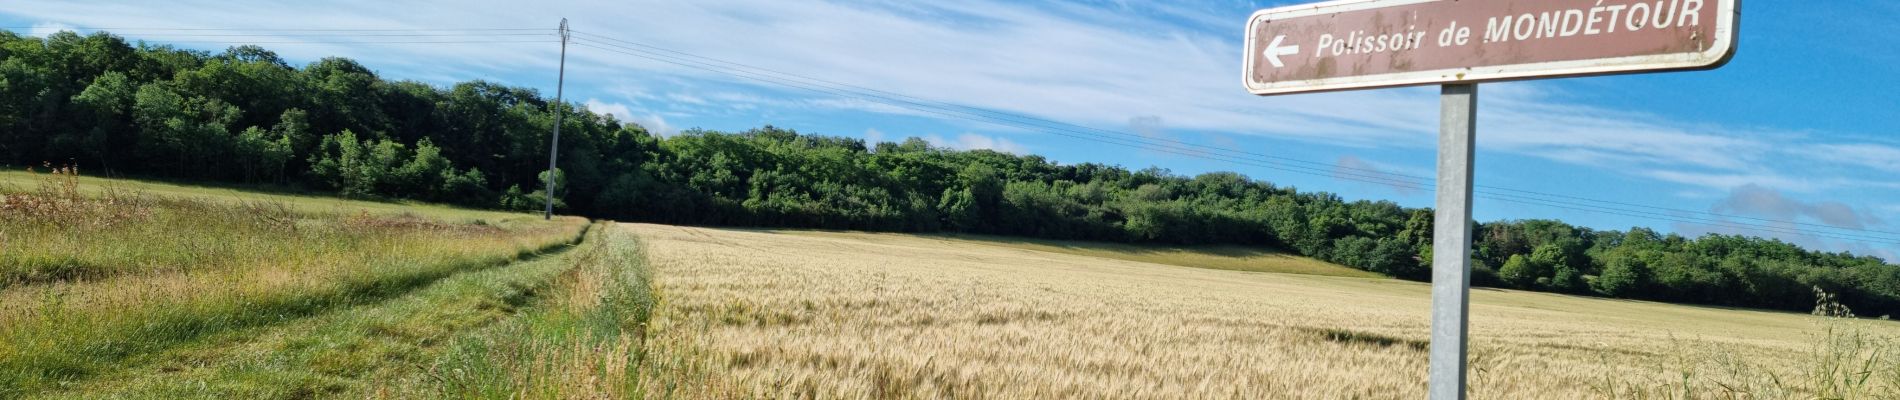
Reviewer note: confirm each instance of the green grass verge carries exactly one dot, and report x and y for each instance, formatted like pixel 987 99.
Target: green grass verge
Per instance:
pixel 77 350
pixel 367 350
pixel 586 342
pixel 22 181
pixel 95 279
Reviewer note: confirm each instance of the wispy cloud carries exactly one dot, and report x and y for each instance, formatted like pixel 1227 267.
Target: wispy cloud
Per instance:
pixel 656 124
pixel 443 62
pixel 1767 178
pixel 1080 66
pixel 1791 234
pixel 1725 181
pixel 1089 64
pixel 1350 167
pixel 48 28
pixel 1064 62
pixel 972 141
pixel 1593 135
pixel 1749 209
pixel 617 110
pixel 1148 126
pixel 1759 201
pixel 1865 155
pixel 653 122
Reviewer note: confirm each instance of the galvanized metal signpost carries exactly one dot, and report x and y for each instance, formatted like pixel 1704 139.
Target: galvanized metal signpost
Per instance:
pixel 1365 44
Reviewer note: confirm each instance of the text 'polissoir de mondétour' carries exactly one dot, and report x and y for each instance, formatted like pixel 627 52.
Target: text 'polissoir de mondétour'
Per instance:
pixel 1604 17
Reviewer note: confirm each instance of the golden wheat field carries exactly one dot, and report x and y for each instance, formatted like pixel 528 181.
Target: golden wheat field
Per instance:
pixel 844 315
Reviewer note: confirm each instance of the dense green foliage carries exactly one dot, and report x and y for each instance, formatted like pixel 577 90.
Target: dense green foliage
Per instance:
pixel 244 115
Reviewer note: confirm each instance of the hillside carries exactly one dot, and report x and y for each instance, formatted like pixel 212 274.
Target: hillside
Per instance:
pixel 245 115
pixel 116 288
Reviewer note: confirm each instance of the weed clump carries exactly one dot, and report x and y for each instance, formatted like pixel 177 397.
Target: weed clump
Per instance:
pixel 1844 359
pixel 58 202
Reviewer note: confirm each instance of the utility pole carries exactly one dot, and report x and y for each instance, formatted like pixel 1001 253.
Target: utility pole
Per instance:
pixel 554 149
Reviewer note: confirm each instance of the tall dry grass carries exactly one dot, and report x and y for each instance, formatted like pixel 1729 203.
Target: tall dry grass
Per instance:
pixel 1844 357
pixel 93 279
pixel 759 314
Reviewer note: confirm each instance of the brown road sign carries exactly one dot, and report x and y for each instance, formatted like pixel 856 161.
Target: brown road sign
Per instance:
pixel 1359 44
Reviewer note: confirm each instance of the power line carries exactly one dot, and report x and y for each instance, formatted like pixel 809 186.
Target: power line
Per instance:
pixel 948 110
pixel 345 34
pixel 1426 182
pixel 1668 209
pixel 358 42
pixel 1018 116
pixel 987 119
pixel 1378 177
pixel 1311 171
pixel 331 36
pixel 1039 121
pixel 288 29
pixel 949 113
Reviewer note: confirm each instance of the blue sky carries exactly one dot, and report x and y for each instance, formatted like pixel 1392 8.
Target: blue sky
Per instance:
pixel 1799 127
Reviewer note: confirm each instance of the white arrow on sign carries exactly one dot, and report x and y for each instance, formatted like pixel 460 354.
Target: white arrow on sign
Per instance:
pixel 1274 51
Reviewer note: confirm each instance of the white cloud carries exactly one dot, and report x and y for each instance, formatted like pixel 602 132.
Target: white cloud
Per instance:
pixel 1525 123
pixel 619 111
pixel 1766 178
pixel 1864 249
pixel 872 136
pixel 1725 181
pixel 1698 194
pixel 655 123
pixel 868 106
pixel 1068 65
pixel 1881 157
pixel 1350 167
pixel 686 98
pixel 1753 210
pixel 1073 63
pixel 439 62
pixel 1797 235
pixel 971 141
pixel 1148 126
pixel 1079 64
pixel 1755 200
pixel 48 28
pixel 1022 60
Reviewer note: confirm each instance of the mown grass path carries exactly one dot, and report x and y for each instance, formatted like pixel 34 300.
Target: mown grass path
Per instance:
pixel 364 349
pixel 173 270
pixel 588 340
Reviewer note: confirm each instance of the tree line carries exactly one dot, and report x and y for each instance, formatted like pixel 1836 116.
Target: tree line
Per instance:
pixel 244 115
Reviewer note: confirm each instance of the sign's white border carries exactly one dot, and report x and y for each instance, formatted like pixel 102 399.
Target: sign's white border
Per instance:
pixel 1727 12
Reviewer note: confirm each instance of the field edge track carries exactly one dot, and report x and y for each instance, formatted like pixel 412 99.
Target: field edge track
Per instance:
pixel 290 312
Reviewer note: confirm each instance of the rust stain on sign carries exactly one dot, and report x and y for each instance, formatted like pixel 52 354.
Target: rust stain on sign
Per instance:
pixel 1356 44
